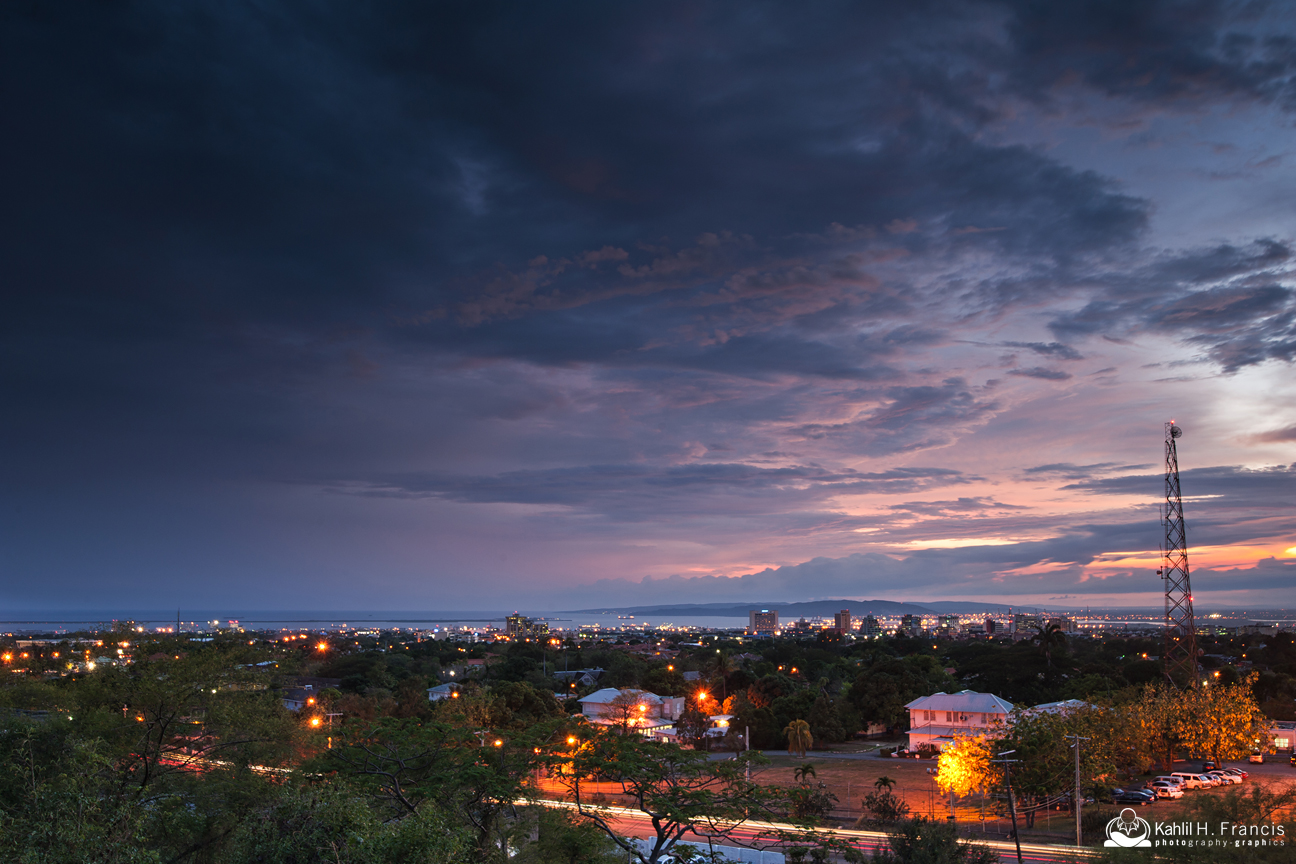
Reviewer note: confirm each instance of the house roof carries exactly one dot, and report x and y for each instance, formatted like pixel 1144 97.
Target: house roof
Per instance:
pixel 968 701
pixel 1063 707
pixel 607 694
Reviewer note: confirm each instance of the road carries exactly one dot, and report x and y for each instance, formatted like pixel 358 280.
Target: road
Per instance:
pixel 633 823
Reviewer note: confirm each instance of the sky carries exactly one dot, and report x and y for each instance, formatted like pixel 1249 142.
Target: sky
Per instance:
pixel 330 305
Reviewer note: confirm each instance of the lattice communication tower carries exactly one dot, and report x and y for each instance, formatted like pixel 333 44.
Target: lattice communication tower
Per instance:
pixel 1180 655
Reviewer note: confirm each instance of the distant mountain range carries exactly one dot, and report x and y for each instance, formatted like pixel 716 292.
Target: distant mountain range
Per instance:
pixel 810 609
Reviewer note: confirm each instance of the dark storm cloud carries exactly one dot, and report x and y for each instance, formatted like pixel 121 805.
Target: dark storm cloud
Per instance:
pixel 1072 471
pixel 638 492
pixel 1048 349
pixel 1275 435
pixel 1247 317
pixel 1157 52
pixel 909 418
pixel 1041 373
pixel 1276 484
pixel 962 506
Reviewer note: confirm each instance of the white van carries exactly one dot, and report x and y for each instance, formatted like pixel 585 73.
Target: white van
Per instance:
pixel 1172 779
pixel 1191 781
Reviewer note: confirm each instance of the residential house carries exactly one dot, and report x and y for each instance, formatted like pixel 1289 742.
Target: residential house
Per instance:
pixel 580 677
pixel 443 691
pixel 936 720
pixel 652 715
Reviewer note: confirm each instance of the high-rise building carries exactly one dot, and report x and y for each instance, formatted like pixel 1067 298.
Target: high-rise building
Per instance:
pixel 870 628
pixel 1023 623
pixel 763 622
pixel 520 627
pixel 991 626
pixel 911 625
pixel 842 621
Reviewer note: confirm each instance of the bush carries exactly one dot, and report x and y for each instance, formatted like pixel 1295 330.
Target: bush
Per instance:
pixel 922 841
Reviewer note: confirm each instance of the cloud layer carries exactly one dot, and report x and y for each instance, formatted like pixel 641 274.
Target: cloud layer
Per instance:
pixel 316 301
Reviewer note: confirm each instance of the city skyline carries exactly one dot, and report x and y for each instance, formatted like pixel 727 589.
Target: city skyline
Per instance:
pixel 556 308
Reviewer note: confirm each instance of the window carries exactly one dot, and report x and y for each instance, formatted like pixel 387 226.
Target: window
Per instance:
pixel 949 716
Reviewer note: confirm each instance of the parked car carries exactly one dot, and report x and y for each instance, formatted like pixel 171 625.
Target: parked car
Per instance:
pixel 1209 765
pixel 1173 779
pixel 1256 758
pixel 1293 760
pixel 1238 771
pixel 1165 790
pixel 1133 796
pixel 1191 781
pixel 1226 778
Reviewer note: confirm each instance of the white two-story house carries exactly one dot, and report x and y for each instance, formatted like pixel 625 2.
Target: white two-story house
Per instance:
pixel 937 719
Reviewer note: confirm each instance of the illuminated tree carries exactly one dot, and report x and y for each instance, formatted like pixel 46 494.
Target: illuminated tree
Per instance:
pixel 964 766
pixel 1222 722
pixel 799 738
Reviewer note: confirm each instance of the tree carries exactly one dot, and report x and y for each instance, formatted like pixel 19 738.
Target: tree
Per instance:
pixel 883 805
pixel 682 791
pixel 406 765
pixel 61 803
pixel 810 802
pixel 564 838
pixel 881 692
pixel 964 766
pixel 627 710
pixel 1222 722
pixel 920 841
pixel 1046 764
pixel 1049 638
pixel 691 727
pixel 799 738
pixel 304 824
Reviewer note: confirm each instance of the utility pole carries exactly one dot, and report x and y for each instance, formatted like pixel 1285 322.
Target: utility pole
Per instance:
pixel 1012 801
pixel 1077 739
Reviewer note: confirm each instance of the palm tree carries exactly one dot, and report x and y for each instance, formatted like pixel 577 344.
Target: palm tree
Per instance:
pixel 804 773
pixel 799 738
pixel 1048 638
pixel 883 782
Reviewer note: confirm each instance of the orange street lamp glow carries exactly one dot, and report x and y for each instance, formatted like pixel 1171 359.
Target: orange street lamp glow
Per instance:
pixel 310 701
pixel 315 721
pixel 454 694
pixel 571 739
pixel 323 646
pixel 499 743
